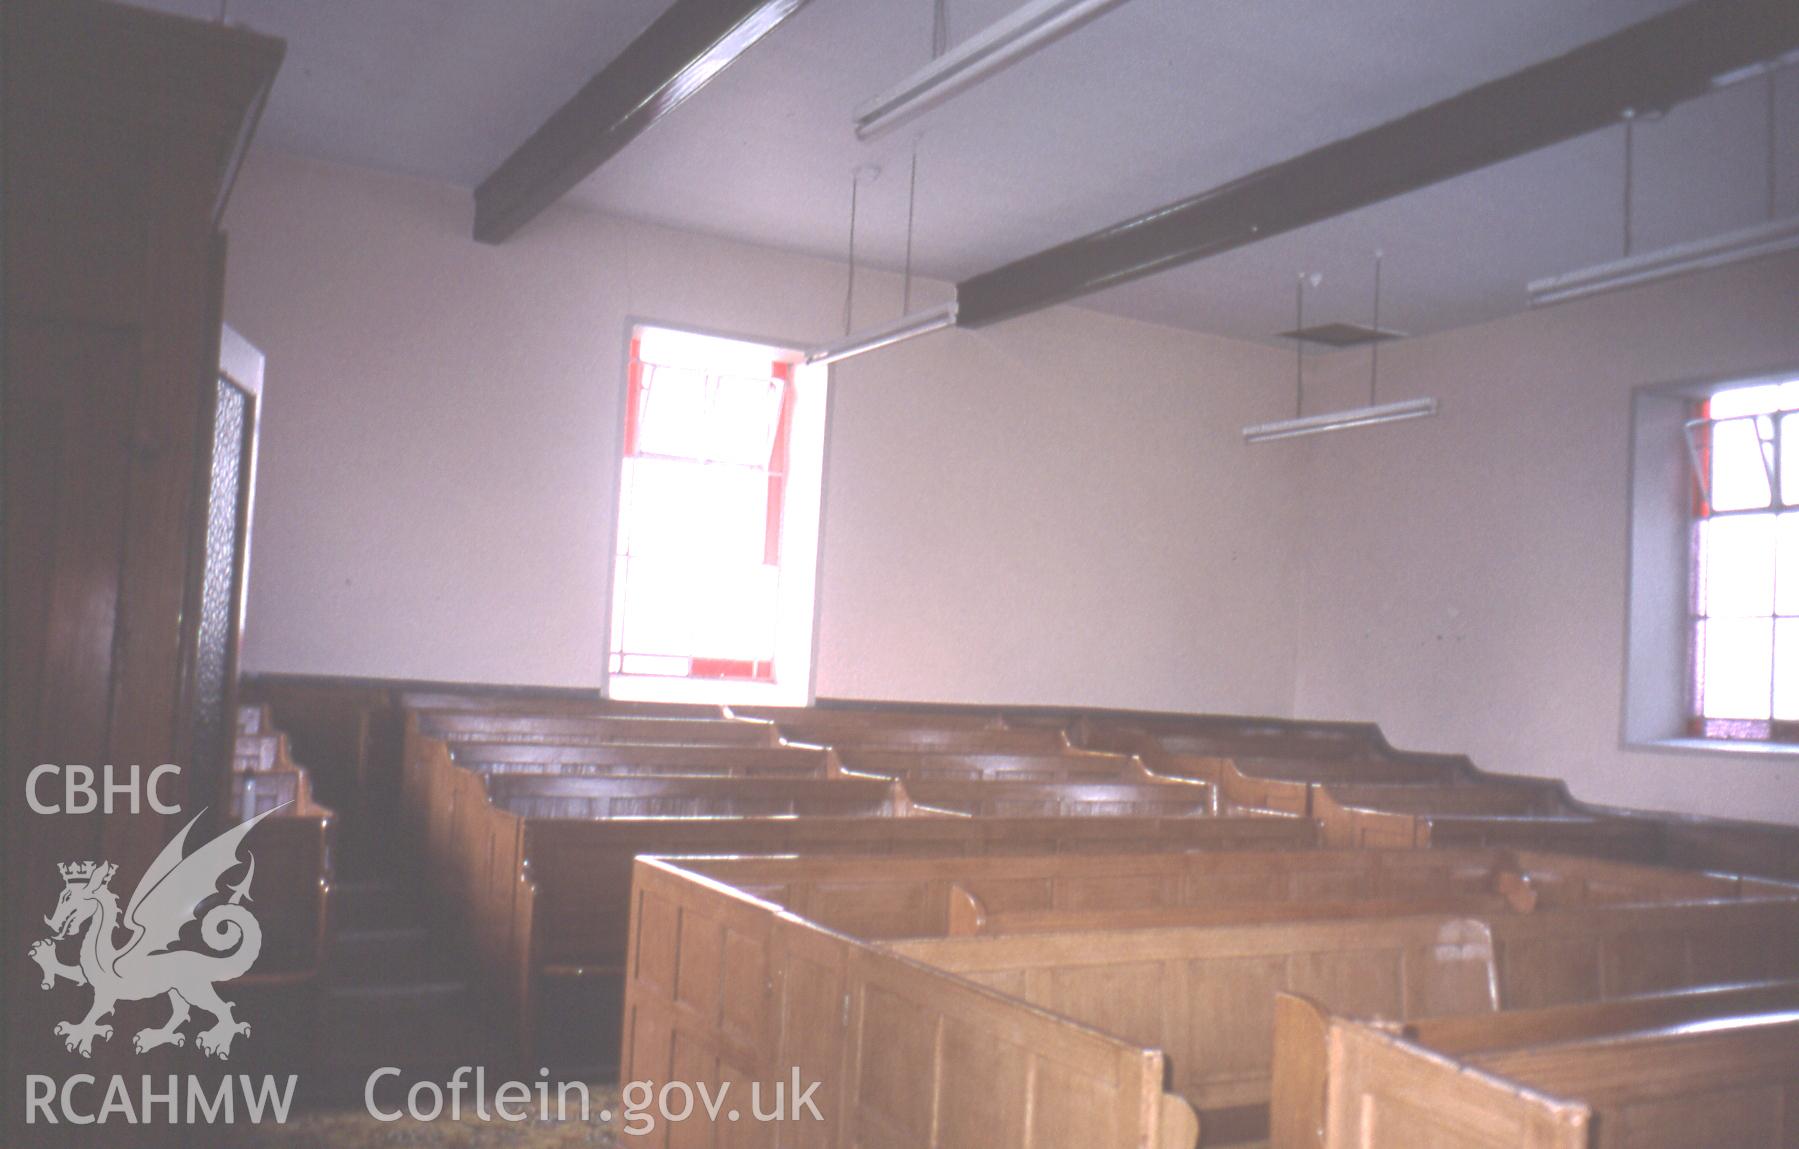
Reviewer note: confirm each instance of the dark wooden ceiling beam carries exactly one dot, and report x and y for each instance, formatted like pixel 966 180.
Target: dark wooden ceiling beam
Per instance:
pixel 676 56
pixel 1651 65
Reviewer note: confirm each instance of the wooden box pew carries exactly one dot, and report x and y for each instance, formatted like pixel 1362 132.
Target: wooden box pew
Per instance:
pixel 722 987
pixel 1300 1082
pixel 656 761
pixel 570 796
pixel 1292 784
pixel 580 871
pixel 1223 737
pixel 1538 815
pixel 1099 725
pixel 1560 833
pixel 1731 1081
pixel 984 799
pixel 1344 807
pixel 1269 764
pixel 997 766
pixel 542 903
pixel 293 853
pixel 291 896
pixel 454 726
pixel 1205 995
pixel 291 891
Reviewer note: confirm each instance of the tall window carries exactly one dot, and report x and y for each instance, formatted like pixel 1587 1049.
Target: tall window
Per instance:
pixel 718 519
pixel 1745 584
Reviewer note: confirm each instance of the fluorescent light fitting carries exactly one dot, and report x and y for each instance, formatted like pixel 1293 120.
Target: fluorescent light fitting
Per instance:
pixel 1340 420
pixel 1681 259
pixel 904 328
pixel 1031 26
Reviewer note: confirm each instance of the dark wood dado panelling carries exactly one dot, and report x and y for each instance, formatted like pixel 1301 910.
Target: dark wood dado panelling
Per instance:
pixel 122 130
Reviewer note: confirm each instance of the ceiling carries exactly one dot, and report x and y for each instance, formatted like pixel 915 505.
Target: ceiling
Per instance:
pixel 1151 103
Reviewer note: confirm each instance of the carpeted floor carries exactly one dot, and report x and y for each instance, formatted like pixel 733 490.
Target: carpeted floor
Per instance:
pixel 355 1129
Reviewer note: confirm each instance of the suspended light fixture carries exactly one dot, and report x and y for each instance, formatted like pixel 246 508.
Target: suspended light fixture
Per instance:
pixel 1031 26
pixel 1668 263
pixel 910 324
pixel 1303 424
pixel 1632 270
pixel 900 330
pixel 1340 420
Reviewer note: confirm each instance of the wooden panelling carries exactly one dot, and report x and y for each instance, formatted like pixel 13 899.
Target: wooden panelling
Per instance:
pixel 1301 1069
pixel 1725 1081
pixel 1386 1092
pixel 121 132
pixel 906 1055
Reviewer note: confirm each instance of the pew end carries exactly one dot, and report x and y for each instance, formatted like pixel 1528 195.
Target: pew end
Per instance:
pixel 1384 1091
pixel 1179 1125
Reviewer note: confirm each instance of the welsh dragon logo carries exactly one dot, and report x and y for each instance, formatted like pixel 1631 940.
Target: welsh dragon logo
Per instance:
pixel 167 898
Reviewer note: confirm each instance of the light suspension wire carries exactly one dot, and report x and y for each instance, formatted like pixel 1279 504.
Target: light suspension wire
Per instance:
pixel 909 325
pixel 1771 237
pixel 1299 346
pixel 1773 144
pixel 1374 344
pixel 911 216
pixel 1302 424
pixel 873 172
pixel 849 292
pixel 1630 136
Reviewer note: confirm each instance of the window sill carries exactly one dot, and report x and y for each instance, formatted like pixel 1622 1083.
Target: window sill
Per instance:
pixel 1731 746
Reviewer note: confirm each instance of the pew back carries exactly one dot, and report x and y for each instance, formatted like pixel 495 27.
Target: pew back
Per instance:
pixel 898 731
pixel 659 761
pixel 1292 783
pixel 571 796
pixel 994 766
pixel 936 896
pixel 1050 800
pixel 1205 994
pixel 1512 798
pixel 576 729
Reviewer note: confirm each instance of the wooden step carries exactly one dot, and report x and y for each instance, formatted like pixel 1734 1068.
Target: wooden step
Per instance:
pixel 403 955
pixel 428 1024
pixel 375 905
